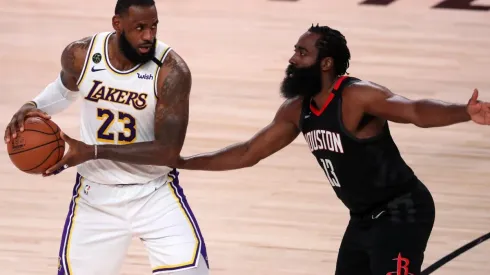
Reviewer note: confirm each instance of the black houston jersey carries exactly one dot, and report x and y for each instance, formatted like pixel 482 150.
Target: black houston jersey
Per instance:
pixel 364 173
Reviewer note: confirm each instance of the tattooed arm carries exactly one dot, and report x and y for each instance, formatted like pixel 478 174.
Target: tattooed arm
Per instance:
pixel 171 119
pixel 59 94
pixel 72 61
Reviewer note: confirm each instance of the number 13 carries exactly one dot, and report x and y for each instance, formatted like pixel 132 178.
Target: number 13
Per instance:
pixel 330 173
pixel 108 116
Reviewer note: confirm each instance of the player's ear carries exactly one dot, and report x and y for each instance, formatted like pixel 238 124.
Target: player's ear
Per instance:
pixel 327 64
pixel 116 23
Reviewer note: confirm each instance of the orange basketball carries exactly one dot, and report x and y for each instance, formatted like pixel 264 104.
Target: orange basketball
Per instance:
pixel 37 148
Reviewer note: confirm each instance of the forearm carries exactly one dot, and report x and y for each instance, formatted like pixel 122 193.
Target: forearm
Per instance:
pixel 229 158
pixel 435 113
pixel 55 98
pixel 145 153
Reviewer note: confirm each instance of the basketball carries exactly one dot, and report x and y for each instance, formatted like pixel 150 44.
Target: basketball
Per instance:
pixel 37 148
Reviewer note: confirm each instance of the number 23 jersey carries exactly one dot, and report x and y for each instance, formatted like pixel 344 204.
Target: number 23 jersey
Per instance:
pixel 118 107
pixel 364 173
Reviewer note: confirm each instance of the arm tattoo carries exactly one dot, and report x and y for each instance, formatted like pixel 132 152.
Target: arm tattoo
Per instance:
pixel 171 119
pixel 72 60
pixel 172 110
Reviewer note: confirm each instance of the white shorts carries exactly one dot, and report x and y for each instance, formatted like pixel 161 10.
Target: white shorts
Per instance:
pixel 102 219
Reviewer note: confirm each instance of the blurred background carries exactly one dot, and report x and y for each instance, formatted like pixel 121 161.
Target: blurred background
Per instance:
pixel 281 216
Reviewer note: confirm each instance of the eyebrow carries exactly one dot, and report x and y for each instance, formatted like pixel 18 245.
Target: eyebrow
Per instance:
pixel 141 22
pixel 300 48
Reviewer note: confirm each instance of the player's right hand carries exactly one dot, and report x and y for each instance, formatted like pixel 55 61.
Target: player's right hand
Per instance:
pixel 17 123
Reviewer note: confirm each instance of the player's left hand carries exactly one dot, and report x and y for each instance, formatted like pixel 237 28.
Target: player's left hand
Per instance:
pixel 78 152
pixel 479 111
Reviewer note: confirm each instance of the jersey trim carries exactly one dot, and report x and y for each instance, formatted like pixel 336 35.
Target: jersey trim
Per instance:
pixel 318 112
pixel 157 71
pixel 85 63
pixel 108 62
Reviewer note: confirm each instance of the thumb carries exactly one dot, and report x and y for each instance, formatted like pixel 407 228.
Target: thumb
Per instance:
pixel 65 137
pixel 474 97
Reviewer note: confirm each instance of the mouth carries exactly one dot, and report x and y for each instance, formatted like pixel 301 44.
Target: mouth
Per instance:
pixel 144 49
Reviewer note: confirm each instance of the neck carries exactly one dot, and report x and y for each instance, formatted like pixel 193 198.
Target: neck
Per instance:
pixel 327 87
pixel 116 56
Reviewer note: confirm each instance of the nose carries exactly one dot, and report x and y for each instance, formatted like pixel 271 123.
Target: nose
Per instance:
pixel 292 60
pixel 147 35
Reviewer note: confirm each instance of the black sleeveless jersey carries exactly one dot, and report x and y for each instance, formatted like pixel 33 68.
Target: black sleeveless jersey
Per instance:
pixel 365 173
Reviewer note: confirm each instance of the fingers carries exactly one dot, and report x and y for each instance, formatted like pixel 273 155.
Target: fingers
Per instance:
pixel 65 137
pixel 474 97
pixel 38 113
pixel 19 123
pixel 6 137
pixel 55 172
pixel 16 125
pixel 57 168
pixel 13 127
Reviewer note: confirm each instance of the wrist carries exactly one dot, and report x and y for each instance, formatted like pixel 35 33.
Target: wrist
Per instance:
pixel 467 114
pixel 92 152
pixel 33 103
pixel 29 105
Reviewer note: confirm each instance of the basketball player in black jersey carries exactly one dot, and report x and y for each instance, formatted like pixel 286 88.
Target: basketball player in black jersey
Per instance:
pixel 345 123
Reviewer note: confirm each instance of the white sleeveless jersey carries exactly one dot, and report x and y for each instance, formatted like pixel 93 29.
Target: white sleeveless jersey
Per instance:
pixel 118 107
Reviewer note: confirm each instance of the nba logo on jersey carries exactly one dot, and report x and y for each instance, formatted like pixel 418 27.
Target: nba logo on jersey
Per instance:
pixel 86 189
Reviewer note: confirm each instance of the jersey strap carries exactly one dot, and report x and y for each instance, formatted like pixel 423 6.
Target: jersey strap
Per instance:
pixel 87 60
pixel 161 58
pixel 336 87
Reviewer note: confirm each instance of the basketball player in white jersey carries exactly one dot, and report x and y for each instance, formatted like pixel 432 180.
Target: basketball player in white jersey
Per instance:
pixel 135 103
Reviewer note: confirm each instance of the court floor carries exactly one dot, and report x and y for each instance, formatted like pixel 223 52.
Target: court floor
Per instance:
pixel 281 216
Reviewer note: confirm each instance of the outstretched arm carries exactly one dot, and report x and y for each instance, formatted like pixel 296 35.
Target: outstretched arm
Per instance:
pixel 380 102
pixel 275 136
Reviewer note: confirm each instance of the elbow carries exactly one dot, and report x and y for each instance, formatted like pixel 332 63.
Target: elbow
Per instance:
pixel 164 157
pixel 419 121
pixel 421 125
pixel 250 163
pixel 249 159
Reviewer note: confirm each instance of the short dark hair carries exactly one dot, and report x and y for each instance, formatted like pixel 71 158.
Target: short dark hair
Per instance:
pixel 332 44
pixel 122 6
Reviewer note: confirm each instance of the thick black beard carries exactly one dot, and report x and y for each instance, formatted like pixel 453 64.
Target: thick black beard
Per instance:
pixel 305 82
pixel 132 54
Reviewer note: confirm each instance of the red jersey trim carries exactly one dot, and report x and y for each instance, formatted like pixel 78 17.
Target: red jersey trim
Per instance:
pixel 318 112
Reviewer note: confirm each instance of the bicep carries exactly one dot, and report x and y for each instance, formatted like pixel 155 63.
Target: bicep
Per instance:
pixel 172 110
pixel 72 62
pixel 380 102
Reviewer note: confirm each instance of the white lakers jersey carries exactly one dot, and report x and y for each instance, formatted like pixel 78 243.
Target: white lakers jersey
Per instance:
pixel 118 107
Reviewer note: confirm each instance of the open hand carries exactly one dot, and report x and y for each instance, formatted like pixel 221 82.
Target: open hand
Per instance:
pixel 479 111
pixel 16 125
pixel 78 152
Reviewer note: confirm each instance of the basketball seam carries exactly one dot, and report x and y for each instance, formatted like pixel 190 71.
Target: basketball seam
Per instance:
pixel 10 154
pixel 33 130
pixel 42 162
pixel 59 145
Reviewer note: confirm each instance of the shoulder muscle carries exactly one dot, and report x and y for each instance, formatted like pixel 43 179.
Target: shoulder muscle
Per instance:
pixel 290 111
pixel 174 76
pixel 73 56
